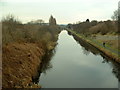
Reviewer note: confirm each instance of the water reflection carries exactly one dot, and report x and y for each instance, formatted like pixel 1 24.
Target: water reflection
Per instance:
pixel 75 65
pixel 87 48
pixel 46 64
pixel 85 51
pixel 116 70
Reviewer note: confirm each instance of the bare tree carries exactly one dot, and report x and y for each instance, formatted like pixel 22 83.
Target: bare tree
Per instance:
pixel 115 15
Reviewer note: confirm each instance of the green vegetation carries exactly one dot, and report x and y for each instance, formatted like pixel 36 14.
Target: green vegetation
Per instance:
pixel 99 32
pixel 98 43
pixel 108 50
pixel 94 29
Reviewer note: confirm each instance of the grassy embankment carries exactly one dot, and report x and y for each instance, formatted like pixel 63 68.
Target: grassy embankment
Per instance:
pixel 107 50
pixel 23 49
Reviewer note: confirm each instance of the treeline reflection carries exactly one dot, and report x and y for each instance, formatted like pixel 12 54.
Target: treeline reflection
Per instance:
pixel 87 48
pixel 46 64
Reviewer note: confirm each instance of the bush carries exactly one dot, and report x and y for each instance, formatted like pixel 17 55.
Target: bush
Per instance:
pixel 15 31
pixel 95 27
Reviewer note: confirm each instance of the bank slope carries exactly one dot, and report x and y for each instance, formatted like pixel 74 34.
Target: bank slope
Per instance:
pixel 107 52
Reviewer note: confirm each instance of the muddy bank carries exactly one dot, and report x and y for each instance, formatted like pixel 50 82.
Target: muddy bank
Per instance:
pixel 21 64
pixel 103 51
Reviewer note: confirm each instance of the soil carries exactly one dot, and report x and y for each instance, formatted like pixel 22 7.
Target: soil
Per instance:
pixel 20 63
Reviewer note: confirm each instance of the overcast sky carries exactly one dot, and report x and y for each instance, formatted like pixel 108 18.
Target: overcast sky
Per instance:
pixel 65 11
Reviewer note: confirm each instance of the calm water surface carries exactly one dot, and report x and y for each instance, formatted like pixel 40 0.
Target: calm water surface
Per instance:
pixel 72 66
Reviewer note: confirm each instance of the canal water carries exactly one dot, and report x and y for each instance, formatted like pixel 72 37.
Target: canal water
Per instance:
pixel 77 65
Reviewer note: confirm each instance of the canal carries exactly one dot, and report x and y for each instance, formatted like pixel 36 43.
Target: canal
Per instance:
pixel 75 64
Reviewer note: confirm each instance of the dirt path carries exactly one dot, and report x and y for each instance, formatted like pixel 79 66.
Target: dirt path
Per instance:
pixel 108 51
pixel 110 39
pixel 107 37
pixel 108 48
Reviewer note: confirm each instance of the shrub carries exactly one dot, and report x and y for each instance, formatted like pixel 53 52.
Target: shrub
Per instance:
pixel 15 31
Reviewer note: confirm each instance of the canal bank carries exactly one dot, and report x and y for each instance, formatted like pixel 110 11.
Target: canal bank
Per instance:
pixel 22 64
pixel 108 52
pixel 74 66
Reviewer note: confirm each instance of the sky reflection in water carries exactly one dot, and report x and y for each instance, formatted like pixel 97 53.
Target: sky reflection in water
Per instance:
pixel 73 67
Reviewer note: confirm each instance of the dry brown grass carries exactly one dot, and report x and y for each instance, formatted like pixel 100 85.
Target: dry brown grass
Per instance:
pixel 23 48
pixel 95 27
pixel 14 31
pixel 104 28
pixel 20 63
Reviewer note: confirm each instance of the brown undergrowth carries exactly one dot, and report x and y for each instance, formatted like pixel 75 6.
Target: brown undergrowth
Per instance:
pixel 23 49
pixel 21 63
